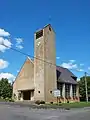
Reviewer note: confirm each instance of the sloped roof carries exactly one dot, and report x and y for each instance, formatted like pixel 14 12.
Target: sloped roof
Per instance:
pixel 65 76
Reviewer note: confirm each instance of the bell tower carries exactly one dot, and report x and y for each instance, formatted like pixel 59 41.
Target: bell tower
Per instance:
pixel 44 64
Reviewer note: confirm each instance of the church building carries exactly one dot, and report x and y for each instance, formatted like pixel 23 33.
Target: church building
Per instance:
pixel 39 77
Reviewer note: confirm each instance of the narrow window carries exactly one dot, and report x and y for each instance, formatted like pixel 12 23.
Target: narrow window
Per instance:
pixel 39 34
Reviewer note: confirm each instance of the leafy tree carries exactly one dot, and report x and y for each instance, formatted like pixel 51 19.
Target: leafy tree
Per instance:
pixel 5 88
pixel 82 89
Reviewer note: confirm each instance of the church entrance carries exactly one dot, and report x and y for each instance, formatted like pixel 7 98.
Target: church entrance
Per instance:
pixel 26 95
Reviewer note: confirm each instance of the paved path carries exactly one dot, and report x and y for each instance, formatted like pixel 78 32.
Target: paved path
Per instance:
pixel 12 112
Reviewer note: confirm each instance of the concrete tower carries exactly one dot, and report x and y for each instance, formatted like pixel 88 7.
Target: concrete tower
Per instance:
pixel 45 73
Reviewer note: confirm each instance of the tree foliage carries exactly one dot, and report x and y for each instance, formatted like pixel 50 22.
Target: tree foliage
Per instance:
pixel 82 89
pixel 5 88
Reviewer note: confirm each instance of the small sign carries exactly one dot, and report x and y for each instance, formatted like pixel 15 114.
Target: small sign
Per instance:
pixel 56 93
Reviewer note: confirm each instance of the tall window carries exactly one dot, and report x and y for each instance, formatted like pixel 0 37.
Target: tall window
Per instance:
pixel 74 90
pixel 67 90
pixel 59 86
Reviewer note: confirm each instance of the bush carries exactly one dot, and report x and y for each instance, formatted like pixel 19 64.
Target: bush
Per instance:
pixel 2 99
pixel 37 102
pixel 42 102
pixel 5 88
pixel 11 100
pixel 6 99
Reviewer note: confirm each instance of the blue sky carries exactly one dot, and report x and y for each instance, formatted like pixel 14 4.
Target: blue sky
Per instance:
pixel 70 20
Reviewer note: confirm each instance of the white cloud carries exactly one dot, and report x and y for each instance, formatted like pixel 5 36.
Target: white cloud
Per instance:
pixel 3 64
pixel 72 65
pixel 72 61
pixel 57 57
pixel 19 46
pixel 3 33
pixel 19 42
pixel 9 76
pixel 5 42
pixel 69 65
pixel 80 70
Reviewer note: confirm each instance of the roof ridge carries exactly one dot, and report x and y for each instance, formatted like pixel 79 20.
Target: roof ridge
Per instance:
pixel 30 59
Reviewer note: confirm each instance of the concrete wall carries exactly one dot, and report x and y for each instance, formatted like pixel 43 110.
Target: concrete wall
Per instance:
pixel 50 82
pixel 25 78
pixel 45 74
pixel 39 68
pixel 15 91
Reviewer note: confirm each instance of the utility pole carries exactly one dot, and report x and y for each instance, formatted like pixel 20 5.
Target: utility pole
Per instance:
pixel 86 87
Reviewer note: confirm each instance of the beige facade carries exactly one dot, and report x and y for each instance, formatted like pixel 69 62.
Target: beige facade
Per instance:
pixel 37 79
pixel 45 73
pixel 25 80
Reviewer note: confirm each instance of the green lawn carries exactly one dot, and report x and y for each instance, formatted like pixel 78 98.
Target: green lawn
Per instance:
pixel 76 105
pixel 72 105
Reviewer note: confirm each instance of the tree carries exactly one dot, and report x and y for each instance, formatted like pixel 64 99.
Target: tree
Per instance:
pixel 82 89
pixel 5 88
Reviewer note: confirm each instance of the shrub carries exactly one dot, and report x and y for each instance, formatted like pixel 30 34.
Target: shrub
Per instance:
pixel 2 97
pixel 7 99
pixel 37 102
pixel 42 102
pixel 11 100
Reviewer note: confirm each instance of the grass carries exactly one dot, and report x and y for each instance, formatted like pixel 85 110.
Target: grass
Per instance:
pixel 76 105
pixel 62 105
pixel 73 105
